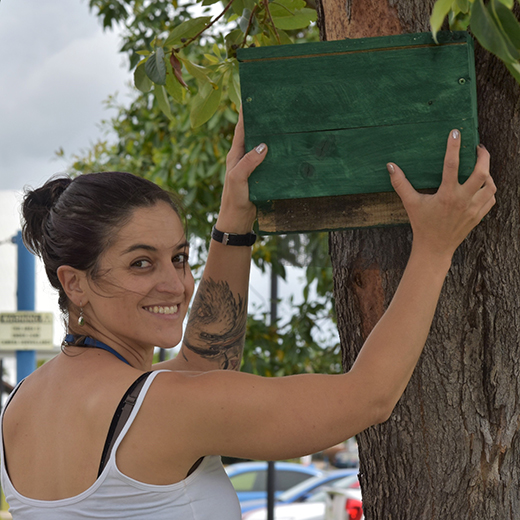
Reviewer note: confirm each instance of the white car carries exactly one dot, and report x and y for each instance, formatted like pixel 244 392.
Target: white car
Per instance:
pixel 343 504
pixel 297 511
pixel 317 505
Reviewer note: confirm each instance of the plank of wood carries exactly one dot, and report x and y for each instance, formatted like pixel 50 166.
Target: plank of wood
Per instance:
pixel 332 213
pixel 275 52
pixel 353 161
pixel 327 92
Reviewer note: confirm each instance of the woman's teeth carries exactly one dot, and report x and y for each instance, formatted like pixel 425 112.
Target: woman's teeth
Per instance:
pixel 157 309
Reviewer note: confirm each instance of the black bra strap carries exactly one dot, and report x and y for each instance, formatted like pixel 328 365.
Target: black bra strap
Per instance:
pixel 123 411
pixel 9 399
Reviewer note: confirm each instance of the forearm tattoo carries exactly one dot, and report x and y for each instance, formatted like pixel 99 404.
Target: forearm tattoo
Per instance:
pixel 217 324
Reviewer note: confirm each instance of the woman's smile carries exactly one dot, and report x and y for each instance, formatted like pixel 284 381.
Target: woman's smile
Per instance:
pixel 160 309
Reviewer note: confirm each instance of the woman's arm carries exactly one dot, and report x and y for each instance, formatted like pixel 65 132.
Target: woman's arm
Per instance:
pixel 274 418
pixel 215 333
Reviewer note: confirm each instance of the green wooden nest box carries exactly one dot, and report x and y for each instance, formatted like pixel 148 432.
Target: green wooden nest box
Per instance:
pixel 334 113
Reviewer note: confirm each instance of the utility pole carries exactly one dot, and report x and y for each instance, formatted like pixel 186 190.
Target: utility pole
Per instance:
pixel 271 470
pixel 25 299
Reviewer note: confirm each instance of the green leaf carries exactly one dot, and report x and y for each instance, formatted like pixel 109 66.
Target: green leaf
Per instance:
pixel 488 34
pixel 285 39
pixel 463 5
pixel 510 26
pixel 439 13
pixel 286 5
pixel 216 51
pixel 205 104
pixel 210 2
pixel 187 29
pixel 233 40
pixel 173 87
pixel 243 21
pixel 155 67
pixel 240 5
pixel 197 71
pixel 508 3
pixel 460 21
pixel 234 89
pixel 141 80
pixel 299 20
pixel 212 59
pixel 162 101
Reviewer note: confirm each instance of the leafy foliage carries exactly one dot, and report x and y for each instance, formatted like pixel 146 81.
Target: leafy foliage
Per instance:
pixel 160 33
pixel 493 24
pixel 290 348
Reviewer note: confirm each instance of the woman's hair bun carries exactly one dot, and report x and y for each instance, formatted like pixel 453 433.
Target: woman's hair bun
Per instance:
pixel 36 208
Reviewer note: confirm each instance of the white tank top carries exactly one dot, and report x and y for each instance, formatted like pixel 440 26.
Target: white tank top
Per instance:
pixel 207 494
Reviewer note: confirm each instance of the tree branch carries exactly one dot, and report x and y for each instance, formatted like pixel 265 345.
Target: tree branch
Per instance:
pixel 207 27
pixel 266 6
pixel 249 23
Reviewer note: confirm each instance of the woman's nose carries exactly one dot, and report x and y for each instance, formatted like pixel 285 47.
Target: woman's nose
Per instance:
pixel 172 280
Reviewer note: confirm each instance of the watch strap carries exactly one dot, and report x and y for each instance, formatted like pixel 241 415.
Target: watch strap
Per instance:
pixel 233 239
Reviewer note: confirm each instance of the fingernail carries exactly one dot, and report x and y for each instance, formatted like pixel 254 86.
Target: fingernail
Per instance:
pixel 260 148
pixel 390 168
pixel 455 134
pixel 482 146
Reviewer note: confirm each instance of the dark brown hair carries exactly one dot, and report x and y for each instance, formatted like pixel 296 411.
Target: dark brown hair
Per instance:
pixel 70 221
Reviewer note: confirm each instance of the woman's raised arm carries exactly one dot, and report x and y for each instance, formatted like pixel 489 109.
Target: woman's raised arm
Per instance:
pixel 215 333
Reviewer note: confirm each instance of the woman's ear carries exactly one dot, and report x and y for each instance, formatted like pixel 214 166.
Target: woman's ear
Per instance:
pixel 73 282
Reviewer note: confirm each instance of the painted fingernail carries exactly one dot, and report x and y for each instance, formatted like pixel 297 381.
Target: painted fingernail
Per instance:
pixel 390 168
pixel 260 148
pixel 455 134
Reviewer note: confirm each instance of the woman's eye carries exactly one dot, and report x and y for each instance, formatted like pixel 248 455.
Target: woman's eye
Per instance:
pixel 180 259
pixel 141 263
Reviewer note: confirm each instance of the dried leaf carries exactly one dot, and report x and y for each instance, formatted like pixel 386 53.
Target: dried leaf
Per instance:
pixel 177 69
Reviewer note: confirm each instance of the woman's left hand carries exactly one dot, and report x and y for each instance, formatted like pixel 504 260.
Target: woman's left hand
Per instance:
pixel 237 213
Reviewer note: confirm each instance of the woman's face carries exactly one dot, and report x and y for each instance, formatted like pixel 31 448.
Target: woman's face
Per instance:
pixel 145 283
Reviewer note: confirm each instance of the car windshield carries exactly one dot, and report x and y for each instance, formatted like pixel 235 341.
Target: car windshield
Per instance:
pixel 344 483
pixel 309 485
pixel 299 488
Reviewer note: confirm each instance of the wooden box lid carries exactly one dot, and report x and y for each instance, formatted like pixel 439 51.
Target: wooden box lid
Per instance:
pixel 334 113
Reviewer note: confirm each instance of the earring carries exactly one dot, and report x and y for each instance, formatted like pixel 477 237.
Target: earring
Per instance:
pixel 81 319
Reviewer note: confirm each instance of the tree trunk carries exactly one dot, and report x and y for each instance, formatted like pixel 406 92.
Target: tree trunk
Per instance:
pixel 451 448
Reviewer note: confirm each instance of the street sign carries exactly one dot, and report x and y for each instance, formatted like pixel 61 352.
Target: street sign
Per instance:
pixel 26 330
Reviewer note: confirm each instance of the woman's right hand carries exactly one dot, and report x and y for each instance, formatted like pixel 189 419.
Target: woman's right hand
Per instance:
pixel 440 222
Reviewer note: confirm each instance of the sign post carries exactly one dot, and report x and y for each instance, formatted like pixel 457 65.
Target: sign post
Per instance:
pixel 26 331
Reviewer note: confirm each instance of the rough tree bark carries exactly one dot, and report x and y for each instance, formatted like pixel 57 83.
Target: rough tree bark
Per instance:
pixel 452 446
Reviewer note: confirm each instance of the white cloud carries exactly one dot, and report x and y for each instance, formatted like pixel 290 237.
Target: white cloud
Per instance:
pixel 53 84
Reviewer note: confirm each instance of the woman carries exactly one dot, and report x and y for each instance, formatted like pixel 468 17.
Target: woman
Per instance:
pixel 114 247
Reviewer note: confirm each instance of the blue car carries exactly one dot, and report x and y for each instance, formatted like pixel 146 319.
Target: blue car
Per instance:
pixel 303 490
pixel 250 478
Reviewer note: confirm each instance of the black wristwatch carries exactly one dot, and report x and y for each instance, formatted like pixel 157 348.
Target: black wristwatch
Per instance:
pixel 232 239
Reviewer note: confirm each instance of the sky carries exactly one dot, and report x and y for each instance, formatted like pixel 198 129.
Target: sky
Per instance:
pixel 58 66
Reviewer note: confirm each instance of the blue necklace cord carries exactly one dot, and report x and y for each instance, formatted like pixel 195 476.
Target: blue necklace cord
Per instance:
pixel 91 342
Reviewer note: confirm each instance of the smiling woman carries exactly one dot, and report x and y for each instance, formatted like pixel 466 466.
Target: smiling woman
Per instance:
pixel 100 432
pixel 142 289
